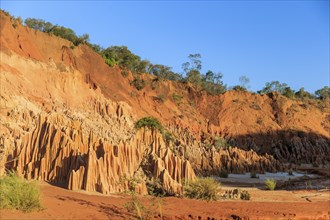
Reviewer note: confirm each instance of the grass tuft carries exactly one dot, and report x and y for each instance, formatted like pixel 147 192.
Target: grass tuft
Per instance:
pixel 202 188
pixel 17 193
pixel 270 184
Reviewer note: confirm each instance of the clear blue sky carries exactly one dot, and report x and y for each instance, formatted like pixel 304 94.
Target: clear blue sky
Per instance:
pixel 269 40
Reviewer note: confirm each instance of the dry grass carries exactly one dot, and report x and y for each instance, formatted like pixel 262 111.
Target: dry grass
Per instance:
pixel 17 193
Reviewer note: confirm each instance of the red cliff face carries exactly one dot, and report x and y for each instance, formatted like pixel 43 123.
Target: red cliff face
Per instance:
pixel 68 118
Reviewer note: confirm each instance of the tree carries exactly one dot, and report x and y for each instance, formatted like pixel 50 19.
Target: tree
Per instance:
pixel 163 72
pixel 60 31
pixel 97 48
pixel 302 94
pixel 122 56
pixel 192 68
pixel 274 86
pixel 288 92
pixel 323 93
pixel 244 82
pixel 212 83
pixel 83 39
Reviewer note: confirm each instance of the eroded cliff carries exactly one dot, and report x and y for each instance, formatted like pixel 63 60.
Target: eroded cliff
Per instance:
pixel 68 118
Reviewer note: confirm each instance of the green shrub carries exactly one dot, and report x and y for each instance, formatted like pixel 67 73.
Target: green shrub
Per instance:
pixel 253 174
pixel 17 193
pixel 177 98
pixel 149 122
pixel 290 173
pixel 155 188
pixel 202 188
pixel 168 137
pixel 124 73
pixel 160 98
pixel 270 184
pixel 138 83
pixel 223 174
pixel 245 195
pixel 220 143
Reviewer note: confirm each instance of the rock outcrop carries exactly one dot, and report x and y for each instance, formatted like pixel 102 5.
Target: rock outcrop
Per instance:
pixel 68 118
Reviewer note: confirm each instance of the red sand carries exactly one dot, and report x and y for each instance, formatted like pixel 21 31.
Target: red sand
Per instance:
pixel 59 203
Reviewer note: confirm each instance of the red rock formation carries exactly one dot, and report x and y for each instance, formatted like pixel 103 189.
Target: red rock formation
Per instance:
pixel 68 118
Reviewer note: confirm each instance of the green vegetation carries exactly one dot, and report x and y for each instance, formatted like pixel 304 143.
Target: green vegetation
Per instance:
pixel 168 136
pixel 253 174
pixel 220 143
pixel 138 83
pixel 285 90
pixel 60 31
pixel 17 193
pixel 160 98
pixel 202 188
pixel 163 72
pixel 244 83
pixel 239 88
pixel 136 207
pixel 323 93
pixel 177 98
pixel 270 184
pixel 155 188
pixel 303 95
pixel 124 58
pixel 210 82
pixel 245 195
pixel 223 174
pixel 274 86
pixel 121 56
pixel 149 122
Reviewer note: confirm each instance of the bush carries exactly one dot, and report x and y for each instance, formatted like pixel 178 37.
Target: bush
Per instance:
pixel 155 188
pixel 253 174
pixel 290 173
pixel 177 98
pixel 138 83
pixel 168 137
pixel 270 184
pixel 60 31
pixel 221 143
pixel 245 195
pixel 17 193
pixel 149 122
pixel 122 56
pixel 202 188
pixel 124 73
pixel 223 174
pixel 136 207
pixel 160 98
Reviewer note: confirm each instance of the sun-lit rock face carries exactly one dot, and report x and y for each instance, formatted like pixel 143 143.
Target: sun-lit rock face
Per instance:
pixel 57 150
pixel 68 118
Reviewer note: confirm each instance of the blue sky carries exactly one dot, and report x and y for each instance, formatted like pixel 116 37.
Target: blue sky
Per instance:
pixel 263 40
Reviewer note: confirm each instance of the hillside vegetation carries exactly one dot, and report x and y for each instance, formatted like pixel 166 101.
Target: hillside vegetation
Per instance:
pixel 103 120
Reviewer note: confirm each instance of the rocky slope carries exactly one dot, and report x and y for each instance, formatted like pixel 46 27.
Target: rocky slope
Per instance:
pixel 68 118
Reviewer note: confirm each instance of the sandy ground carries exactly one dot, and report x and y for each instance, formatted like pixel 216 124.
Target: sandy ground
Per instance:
pixel 60 203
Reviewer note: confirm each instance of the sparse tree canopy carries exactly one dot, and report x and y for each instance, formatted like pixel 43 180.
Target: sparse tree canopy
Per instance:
pixel 122 56
pixel 323 93
pixel 244 82
pixel 288 92
pixel 60 31
pixel 193 68
pixel 302 94
pixel 274 86
pixel 164 72
pixel 212 83
pixel 149 122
